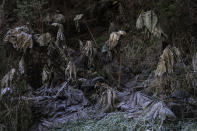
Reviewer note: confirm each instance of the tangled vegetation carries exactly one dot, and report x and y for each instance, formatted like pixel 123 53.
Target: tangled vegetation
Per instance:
pixel 98 65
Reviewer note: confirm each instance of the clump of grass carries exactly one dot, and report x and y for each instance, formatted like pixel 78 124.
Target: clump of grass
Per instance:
pixel 190 126
pixel 119 121
pixel 112 122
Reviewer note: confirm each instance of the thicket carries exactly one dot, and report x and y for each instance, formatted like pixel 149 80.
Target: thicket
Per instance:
pixel 176 18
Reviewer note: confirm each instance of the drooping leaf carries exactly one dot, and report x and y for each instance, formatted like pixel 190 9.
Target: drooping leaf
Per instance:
pixel 113 40
pixel 89 51
pixel 108 97
pixel 7 79
pixel 194 62
pixel 20 38
pixel 60 33
pixel 44 39
pixel 21 66
pixel 45 75
pixel 149 20
pixel 152 109
pixel 167 60
pixel 77 19
pixel 71 71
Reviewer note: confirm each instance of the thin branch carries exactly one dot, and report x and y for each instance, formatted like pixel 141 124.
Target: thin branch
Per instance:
pixel 120 68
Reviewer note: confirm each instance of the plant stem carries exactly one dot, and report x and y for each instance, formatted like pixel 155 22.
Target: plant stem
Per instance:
pixel 120 67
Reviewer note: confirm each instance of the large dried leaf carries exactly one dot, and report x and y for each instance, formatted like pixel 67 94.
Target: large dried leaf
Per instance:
pixel 139 22
pixel 168 58
pixel 107 99
pixel 152 109
pixel 113 40
pixel 60 33
pixel 88 50
pixel 20 38
pixel 44 39
pixel 7 79
pixel 58 105
pixel 194 62
pixel 60 40
pixel 21 66
pixel 45 75
pixel 159 111
pixel 149 20
pixel 71 71
pixel 77 19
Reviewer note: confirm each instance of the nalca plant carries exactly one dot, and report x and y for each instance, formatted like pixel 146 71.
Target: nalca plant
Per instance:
pixel 108 99
pixel 76 20
pixel 44 39
pixel 21 66
pixel 194 62
pixel 60 40
pixel 88 50
pixel 45 74
pixel 8 78
pixel 149 20
pixel 71 71
pixel 20 38
pixel 60 33
pixel 170 56
pixel 114 39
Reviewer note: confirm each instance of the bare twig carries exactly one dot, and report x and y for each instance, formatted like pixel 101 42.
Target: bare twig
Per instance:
pixel 120 67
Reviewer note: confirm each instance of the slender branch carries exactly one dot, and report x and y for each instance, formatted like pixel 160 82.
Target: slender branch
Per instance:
pixel 120 68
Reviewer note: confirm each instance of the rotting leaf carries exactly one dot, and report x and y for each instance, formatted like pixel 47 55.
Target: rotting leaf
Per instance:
pixel 152 109
pixel 160 111
pixel 60 33
pixel 45 74
pixel 20 38
pixel 21 66
pixel 113 40
pixel 76 20
pixel 88 50
pixel 8 78
pixel 44 39
pixel 107 102
pixel 59 39
pixel 71 71
pixel 150 20
pixel 167 60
